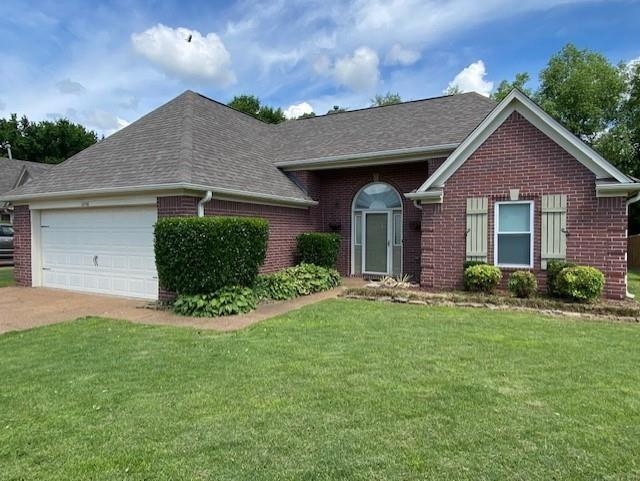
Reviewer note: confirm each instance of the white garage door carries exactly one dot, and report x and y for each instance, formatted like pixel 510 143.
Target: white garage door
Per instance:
pixel 107 250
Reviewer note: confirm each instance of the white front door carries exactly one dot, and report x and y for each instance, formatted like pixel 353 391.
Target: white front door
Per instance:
pixel 101 250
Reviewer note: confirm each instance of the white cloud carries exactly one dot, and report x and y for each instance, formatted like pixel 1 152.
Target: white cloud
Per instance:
pixel 203 57
pixel 359 71
pixel 471 79
pixel 296 110
pixel 398 55
pixel 322 65
pixel 68 86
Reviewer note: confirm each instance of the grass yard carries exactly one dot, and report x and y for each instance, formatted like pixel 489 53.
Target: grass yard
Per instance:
pixel 6 276
pixel 340 390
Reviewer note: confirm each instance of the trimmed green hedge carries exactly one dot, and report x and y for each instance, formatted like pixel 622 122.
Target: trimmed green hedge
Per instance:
pixel 200 255
pixel 320 249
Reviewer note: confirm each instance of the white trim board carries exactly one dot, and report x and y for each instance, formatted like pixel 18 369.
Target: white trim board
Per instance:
pixel 516 101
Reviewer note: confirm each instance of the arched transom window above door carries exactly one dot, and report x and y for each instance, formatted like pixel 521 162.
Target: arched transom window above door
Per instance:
pixel 378 196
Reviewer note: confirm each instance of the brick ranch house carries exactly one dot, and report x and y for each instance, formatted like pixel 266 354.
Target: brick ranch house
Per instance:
pixel 415 188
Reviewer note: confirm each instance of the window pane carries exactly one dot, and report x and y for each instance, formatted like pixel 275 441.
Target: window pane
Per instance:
pixel 514 249
pixel 397 229
pixel 358 229
pixel 514 217
pixel 378 196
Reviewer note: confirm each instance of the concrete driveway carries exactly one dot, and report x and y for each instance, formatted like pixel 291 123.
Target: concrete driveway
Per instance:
pixel 27 307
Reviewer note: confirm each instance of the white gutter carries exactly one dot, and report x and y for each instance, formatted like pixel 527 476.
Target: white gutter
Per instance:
pixel 207 197
pixel 429 197
pixel 368 158
pixel 248 196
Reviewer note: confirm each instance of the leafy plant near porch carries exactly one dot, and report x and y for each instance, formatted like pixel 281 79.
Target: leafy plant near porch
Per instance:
pixel 301 280
pixel 289 283
pixel 200 255
pixel 318 248
pixel 225 302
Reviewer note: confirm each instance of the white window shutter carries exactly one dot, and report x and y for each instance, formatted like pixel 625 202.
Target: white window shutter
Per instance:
pixel 554 228
pixel 477 214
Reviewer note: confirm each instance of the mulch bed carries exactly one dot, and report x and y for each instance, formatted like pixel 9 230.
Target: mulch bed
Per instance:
pixel 627 311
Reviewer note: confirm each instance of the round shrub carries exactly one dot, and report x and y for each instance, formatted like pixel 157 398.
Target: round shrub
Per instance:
pixel 553 269
pixel 200 255
pixel 482 278
pixel 320 249
pixel 580 283
pixel 522 284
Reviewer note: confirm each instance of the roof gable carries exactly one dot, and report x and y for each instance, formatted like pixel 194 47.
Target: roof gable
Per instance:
pixel 519 102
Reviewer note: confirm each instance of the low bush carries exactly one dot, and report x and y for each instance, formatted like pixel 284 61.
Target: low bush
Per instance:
pixel 553 269
pixel 482 278
pixel 468 264
pixel 225 302
pixel 300 280
pixel 320 249
pixel 199 255
pixel 522 284
pixel 580 283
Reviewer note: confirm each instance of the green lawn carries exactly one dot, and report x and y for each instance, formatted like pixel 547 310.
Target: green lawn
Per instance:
pixel 340 390
pixel 6 276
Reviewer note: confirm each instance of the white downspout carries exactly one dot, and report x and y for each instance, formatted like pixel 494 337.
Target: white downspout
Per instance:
pixel 417 205
pixel 630 201
pixel 207 197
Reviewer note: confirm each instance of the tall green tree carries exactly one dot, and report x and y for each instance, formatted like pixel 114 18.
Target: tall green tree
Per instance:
pixel 522 78
pixel 389 98
pixel 46 141
pixel 582 89
pixel 336 110
pixel 250 104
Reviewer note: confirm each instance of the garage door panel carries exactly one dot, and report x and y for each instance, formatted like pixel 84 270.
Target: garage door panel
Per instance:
pixel 100 250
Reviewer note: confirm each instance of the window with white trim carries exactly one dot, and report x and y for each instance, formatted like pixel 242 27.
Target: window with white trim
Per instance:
pixel 514 234
pixel 358 229
pixel 397 228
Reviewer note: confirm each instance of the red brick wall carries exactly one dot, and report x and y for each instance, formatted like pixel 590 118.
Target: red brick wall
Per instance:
pixel 285 224
pixel 178 206
pixel 336 189
pixel 519 156
pixel 22 245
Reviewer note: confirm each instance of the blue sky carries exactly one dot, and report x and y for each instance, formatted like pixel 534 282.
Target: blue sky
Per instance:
pixel 105 64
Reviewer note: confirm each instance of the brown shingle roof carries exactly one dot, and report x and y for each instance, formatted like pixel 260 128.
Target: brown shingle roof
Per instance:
pixel 195 140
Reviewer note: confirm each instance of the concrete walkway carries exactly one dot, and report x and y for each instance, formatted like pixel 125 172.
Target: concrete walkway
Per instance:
pixel 27 307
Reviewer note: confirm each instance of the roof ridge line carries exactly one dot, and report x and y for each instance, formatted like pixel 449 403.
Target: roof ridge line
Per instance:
pixel 185 170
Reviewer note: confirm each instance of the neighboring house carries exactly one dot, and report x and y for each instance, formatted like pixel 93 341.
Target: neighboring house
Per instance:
pixel 415 188
pixel 13 174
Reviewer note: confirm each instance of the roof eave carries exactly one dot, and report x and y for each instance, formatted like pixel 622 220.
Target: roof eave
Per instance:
pixel 221 193
pixel 394 156
pixel 434 196
pixel 617 189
